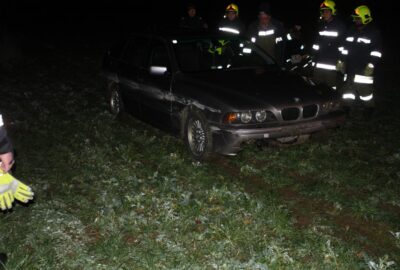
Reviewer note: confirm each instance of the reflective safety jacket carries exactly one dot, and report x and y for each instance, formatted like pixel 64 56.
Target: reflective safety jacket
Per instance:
pixel 235 27
pixel 5 144
pixel 362 49
pixel 270 39
pixel 328 43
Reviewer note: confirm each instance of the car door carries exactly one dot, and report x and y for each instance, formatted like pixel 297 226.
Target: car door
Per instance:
pixel 134 65
pixel 155 98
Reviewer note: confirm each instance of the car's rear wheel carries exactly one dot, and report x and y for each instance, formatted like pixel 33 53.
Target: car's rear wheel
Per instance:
pixel 115 100
pixel 198 136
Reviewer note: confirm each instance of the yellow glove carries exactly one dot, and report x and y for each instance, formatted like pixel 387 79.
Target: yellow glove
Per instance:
pixel 6 200
pixel 19 190
pixel 340 66
pixel 369 70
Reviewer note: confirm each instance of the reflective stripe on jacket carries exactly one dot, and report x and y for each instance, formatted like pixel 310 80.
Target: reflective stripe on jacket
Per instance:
pixel 235 27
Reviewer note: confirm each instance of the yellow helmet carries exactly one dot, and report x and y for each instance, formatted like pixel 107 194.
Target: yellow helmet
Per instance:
pixel 232 8
pixel 363 13
pixel 328 4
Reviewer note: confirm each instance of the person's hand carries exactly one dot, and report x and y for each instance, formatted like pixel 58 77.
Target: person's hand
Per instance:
pixel 369 70
pixel 6 199
pixel 19 190
pixel 6 161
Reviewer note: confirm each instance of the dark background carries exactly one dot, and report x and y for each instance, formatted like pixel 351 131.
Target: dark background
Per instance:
pixel 30 23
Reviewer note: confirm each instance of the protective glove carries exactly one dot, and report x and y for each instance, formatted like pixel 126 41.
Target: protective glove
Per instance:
pixel 22 192
pixel 369 70
pixel 6 199
pixel 340 66
pixel 19 190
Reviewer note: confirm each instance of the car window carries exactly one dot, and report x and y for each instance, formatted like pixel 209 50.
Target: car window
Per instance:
pixel 211 53
pixel 159 55
pixel 137 52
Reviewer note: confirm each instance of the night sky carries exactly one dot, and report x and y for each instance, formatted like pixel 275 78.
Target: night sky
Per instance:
pixel 60 20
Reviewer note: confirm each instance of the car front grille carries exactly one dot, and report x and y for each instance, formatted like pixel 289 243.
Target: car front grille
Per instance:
pixel 294 113
pixel 310 111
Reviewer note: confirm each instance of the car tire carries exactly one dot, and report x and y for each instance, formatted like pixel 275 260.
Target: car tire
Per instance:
pixel 115 102
pixel 198 136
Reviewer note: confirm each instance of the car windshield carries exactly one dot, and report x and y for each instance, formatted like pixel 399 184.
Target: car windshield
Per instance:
pixel 203 54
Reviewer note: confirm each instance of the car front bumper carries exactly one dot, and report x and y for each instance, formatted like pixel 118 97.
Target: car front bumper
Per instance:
pixel 227 141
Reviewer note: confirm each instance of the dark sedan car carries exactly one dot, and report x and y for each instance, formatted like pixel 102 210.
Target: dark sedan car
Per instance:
pixel 215 91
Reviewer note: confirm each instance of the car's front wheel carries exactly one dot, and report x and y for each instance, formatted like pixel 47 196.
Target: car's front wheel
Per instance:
pixel 198 136
pixel 115 100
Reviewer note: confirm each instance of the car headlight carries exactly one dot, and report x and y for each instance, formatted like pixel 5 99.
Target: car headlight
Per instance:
pixel 245 117
pixel 237 117
pixel 327 105
pixel 330 105
pixel 249 117
pixel 261 116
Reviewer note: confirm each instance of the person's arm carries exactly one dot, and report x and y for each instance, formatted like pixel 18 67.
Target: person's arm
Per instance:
pixel 316 45
pixel 6 150
pixel 376 47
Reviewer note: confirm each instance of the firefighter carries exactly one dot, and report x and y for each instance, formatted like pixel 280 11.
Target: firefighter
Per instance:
pixel 10 188
pixel 231 23
pixel 295 56
pixel 362 51
pixel 328 67
pixel 192 22
pixel 268 33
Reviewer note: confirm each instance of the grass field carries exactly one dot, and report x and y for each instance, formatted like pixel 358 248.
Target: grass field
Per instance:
pixel 119 194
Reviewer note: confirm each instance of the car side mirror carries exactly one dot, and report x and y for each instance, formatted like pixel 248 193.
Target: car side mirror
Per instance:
pixel 158 70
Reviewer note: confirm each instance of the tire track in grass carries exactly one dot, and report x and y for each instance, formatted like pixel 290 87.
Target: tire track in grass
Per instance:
pixel 371 237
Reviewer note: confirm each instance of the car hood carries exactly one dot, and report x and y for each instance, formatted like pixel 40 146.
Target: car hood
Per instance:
pixel 250 88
